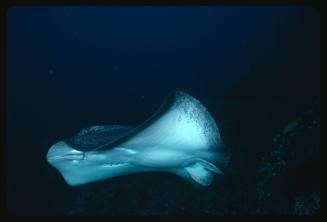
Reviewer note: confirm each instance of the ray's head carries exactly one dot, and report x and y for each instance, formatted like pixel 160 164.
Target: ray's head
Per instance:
pixel 79 167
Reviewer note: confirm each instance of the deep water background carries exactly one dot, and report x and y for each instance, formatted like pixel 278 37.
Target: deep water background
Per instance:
pixel 256 69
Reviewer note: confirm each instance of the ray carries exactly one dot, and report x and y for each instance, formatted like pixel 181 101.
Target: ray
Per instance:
pixel 181 137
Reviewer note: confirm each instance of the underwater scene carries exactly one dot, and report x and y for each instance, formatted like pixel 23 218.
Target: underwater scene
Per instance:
pixel 162 110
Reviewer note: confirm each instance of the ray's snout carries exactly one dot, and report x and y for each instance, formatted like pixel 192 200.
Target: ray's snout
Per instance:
pixel 62 151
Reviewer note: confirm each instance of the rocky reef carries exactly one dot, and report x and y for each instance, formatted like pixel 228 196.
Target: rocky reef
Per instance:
pixel 289 175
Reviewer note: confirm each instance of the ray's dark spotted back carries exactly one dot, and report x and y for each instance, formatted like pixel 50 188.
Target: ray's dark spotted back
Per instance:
pixel 94 136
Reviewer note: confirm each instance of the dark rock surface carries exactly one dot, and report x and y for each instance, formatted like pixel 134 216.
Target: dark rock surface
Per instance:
pixel 289 176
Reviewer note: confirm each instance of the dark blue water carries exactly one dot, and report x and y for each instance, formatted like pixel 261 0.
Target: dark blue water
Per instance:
pixel 254 68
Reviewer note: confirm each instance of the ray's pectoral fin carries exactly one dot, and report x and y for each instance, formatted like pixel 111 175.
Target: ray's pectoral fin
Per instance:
pixel 200 172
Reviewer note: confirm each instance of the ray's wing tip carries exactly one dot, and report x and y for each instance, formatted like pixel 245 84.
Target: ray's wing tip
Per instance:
pixel 178 93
